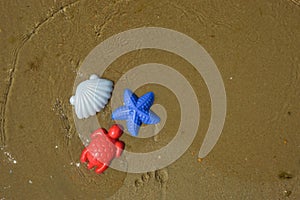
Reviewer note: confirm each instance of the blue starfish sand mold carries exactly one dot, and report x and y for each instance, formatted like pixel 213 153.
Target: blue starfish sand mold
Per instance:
pixel 136 111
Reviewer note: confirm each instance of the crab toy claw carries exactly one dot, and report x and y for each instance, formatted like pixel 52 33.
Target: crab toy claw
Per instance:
pixel 103 148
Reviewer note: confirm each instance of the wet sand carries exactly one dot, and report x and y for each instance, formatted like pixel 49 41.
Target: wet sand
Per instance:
pixel 255 46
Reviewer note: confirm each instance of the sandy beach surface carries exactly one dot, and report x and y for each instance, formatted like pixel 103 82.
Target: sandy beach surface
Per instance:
pixel 255 45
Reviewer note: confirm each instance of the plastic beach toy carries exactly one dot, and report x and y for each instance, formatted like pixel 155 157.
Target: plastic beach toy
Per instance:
pixel 136 111
pixel 104 147
pixel 91 96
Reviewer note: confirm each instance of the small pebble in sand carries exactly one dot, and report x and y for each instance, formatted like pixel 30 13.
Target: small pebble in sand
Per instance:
pixel 285 141
pixel 287 193
pixel 230 78
pixel 285 175
pixel 56 147
pixel 199 160
pixel 6 187
pixel 30 181
pixel 77 164
pixel 10 157
pixel 80 74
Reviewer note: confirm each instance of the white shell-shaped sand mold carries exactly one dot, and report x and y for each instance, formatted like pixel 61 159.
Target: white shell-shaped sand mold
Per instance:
pixel 91 96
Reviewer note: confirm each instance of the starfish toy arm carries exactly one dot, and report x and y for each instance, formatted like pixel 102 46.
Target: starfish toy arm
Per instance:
pixel 152 119
pixel 130 99
pixel 120 113
pixel 145 101
pixel 133 127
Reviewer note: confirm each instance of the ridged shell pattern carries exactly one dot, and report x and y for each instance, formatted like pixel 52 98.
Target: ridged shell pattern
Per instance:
pixel 91 96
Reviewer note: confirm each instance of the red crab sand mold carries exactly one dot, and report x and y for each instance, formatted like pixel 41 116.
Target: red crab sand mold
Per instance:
pixel 104 147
